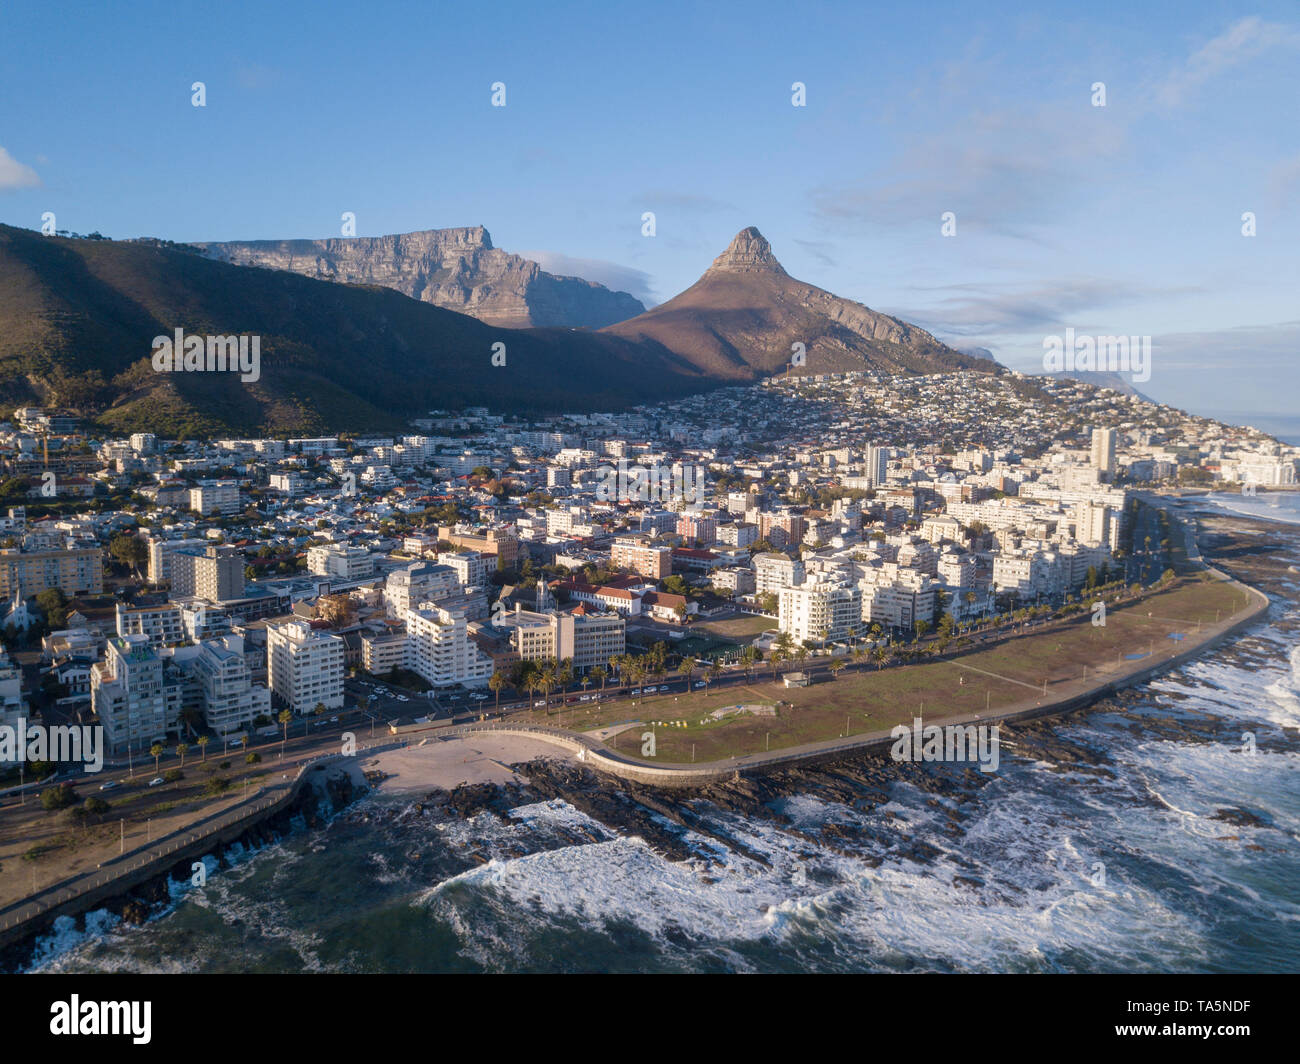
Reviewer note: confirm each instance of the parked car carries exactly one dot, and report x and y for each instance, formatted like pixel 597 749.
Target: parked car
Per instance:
pixel 334 720
pixel 538 704
pixel 699 683
pixel 662 687
pixel 157 781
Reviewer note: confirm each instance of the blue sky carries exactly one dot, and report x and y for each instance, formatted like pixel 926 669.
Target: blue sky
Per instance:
pixel 1117 219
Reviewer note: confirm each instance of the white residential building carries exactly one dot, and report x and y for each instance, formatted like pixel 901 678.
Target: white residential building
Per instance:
pixel 304 667
pixel 439 648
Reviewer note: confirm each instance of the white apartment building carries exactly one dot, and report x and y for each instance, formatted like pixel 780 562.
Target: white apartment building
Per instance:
pixel 439 648
pixel 13 707
pixel 129 696
pixel 161 625
pixel 820 611
pixel 772 572
pixel 893 596
pixel 467 565
pixel 215 497
pixel 419 582
pixel 340 562
pixel 231 701
pixel 160 556
pixel 304 667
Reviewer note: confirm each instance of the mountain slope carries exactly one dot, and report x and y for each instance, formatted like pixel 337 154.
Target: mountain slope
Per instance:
pixel 457 269
pixel 741 318
pixel 78 318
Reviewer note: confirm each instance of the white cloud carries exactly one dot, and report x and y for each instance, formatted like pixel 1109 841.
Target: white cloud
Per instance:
pixel 14 174
pixel 611 274
pixel 1244 39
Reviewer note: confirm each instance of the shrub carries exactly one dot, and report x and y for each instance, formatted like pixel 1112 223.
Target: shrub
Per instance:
pixel 58 797
pixel 173 775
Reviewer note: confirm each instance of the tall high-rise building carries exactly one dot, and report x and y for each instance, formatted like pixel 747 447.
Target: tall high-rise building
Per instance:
pixel 877 463
pixel 304 667
pixel 1103 450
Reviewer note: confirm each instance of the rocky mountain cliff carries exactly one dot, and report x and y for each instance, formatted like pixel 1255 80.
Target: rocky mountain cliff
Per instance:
pixel 457 269
pixel 741 318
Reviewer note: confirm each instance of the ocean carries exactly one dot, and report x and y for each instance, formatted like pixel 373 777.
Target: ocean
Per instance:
pixel 1135 836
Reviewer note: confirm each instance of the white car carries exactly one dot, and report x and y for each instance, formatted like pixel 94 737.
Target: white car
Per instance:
pixel 402 698
pixel 699 683
pixel 664 687
pixel 157 781
pixel 538 705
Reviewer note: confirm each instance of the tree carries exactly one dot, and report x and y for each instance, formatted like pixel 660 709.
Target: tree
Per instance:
pixel 203 741
pixel 748 657
pixel 837 666
pixel 181 749
pixel 711 673
pixel 129 549
pixel 59 796
pixel 284 718
pixel 768 603
pixel 252 758
pixel 495 683
pixel 600 676
pixel 335 610
pixel 686 668
pixel 922 626
pixel 157 751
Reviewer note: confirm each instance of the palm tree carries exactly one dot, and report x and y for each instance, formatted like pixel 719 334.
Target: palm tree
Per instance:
pixel 711 673
pixel 837 666
pixel 157 751
pixel 599 674
pixel 181 749
pixel 547 682
pixel 880 653
pixel 747 658
pixel 285 716
pixel 686 668
pixel 495 682
pixel 203 741
pixel 778 656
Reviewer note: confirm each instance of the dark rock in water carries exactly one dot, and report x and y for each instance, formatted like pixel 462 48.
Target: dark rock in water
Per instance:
pixel 1242 818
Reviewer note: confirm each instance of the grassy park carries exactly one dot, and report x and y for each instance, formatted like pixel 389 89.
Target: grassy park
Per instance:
pixel 1059 660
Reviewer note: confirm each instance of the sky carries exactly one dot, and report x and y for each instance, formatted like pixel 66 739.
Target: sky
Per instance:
pixel 1121 219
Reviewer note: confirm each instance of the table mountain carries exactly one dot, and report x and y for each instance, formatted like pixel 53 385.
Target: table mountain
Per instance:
pixel 741 318
pixel 457 269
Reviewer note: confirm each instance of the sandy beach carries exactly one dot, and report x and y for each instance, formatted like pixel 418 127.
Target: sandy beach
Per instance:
pixel 447 762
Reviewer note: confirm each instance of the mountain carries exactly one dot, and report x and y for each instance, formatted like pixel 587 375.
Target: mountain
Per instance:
pixel 457 269
pixel 78 318
pixel 741 318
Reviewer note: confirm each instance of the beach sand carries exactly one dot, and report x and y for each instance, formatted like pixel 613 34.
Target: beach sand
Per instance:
pixel 448 762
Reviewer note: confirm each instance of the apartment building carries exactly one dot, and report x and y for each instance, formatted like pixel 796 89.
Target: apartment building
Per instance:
pixel 340 562
pixel 498 545
pixel 772 572
pixel 230 699
pixel 1103 451
pixel 215 574
pixel 636 554
pixel 820 611
pixel 439 649
pixel 304 666
pixel 78 571
pixel 131 697
pixel 215 497
pixel 161 552
pixel 588 639
pixel 162 625
pixel 419 582
pixel 467 565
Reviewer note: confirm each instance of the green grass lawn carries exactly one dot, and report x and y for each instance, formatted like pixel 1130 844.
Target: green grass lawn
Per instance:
pixel 866 699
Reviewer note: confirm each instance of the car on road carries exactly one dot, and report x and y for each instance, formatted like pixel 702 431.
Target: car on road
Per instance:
pixel 108 785
pixel 402 698
pixel 663 687
pixel 334 720
pixel 699 683
pixel 157 781
pixel 538 705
